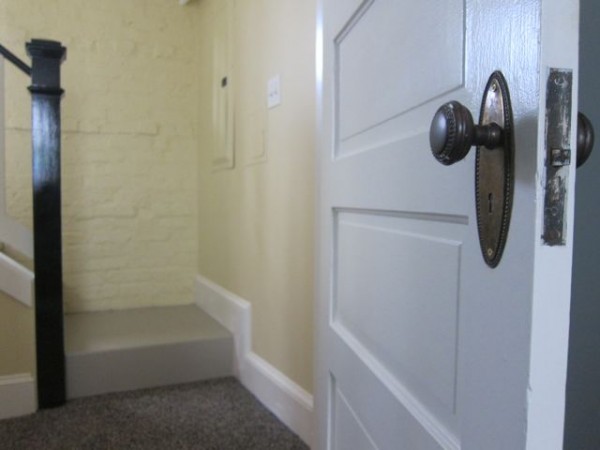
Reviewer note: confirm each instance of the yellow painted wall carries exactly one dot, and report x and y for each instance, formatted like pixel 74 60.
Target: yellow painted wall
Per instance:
pixel 143 211
pixel 256 220
pixel 17 353
pixel 129 160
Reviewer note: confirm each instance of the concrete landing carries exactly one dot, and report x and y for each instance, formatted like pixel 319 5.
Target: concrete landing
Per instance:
pixel 113 351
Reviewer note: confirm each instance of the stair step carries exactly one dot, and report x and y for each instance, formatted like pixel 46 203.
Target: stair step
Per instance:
pixel 111 351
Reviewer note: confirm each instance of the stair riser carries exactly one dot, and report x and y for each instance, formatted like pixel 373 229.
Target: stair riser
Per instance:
pixel 136 368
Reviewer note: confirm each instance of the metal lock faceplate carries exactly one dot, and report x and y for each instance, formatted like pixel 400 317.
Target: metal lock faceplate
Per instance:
pixel 494 172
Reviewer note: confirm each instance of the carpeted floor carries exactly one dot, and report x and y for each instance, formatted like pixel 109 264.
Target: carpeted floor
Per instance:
pixel 212 415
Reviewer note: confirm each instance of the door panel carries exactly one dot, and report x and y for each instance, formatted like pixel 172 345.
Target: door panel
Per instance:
pixel 370 90
pixel 348 430
pixel 386 304
pixel 376 408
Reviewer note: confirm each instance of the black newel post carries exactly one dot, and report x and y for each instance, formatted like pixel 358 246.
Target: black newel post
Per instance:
pixel 46 94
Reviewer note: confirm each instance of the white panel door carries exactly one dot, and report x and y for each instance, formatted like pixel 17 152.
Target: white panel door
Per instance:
pixel 420 344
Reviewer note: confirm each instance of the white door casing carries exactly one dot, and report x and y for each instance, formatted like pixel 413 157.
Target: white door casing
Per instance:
pixel 420 345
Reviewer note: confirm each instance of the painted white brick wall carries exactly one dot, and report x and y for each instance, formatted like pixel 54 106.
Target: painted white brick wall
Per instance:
pixel 129 152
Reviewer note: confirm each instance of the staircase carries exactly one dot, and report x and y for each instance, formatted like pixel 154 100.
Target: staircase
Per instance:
pixel 132 349
pixel 109 351
pixel 104 351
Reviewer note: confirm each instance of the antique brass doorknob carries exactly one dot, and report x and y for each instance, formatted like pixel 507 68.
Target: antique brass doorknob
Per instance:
pixel 585 138
pixel 453 133
pixel 451 136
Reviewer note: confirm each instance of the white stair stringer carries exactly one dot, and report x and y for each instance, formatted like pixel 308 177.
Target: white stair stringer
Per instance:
pixel 16 280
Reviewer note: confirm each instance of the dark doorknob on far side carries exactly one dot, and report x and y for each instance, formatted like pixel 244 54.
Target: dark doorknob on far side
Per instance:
pixel 585 138
pixel 453 133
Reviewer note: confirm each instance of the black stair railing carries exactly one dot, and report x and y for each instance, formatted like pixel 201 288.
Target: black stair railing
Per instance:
pixel 46 93
pixel 15 60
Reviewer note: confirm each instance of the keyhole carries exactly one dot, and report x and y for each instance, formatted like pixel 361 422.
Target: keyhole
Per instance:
pixel 490 203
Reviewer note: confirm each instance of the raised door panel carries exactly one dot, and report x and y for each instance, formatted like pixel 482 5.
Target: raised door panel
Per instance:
pixel 386 65
pixel 393 306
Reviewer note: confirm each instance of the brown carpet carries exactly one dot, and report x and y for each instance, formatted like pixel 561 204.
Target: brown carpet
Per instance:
pixel 212 415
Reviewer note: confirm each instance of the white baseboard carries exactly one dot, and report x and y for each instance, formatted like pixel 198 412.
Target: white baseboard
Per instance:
pixel 288 401
pixel 284 398
pixel 17 395
pixel 231 311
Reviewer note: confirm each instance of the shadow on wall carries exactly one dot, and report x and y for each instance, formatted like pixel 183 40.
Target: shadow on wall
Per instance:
pixel 583 390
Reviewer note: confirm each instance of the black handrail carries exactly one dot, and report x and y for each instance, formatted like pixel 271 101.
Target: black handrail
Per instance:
pixel 15 60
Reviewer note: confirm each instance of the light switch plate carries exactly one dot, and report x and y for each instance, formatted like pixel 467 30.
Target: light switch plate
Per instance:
pixel 274 92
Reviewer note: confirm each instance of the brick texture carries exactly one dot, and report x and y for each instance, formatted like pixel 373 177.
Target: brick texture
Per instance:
pixel 129 148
